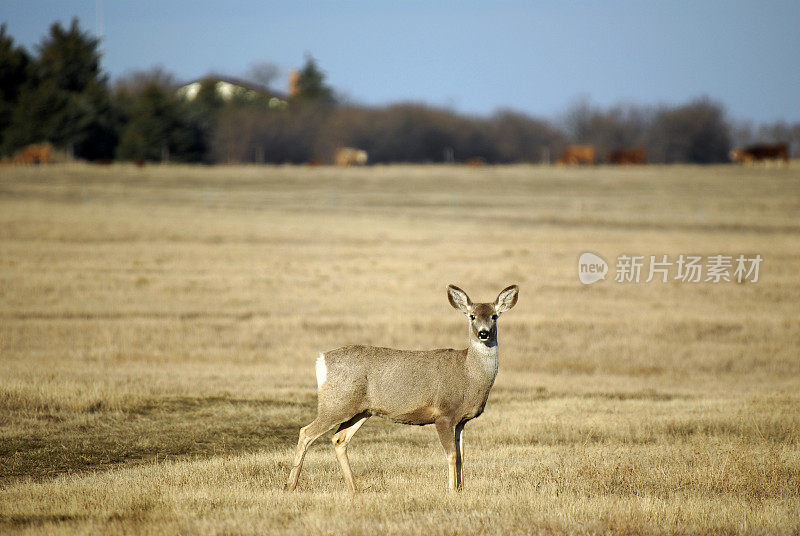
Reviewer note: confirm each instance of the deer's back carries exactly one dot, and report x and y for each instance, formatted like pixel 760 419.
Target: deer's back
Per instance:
pixel 411 387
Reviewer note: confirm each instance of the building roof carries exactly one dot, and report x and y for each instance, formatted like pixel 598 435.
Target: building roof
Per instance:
pixel 226 85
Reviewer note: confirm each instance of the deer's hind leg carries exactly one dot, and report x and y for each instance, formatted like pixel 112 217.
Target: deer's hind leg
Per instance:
pixel 307 436
pixel 341 438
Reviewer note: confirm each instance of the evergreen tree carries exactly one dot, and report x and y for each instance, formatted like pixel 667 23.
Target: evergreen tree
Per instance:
pixel 14 74
pixel 311 85
pixel 70 58
pixel 160 126
pixel 66 100
pixel 207 96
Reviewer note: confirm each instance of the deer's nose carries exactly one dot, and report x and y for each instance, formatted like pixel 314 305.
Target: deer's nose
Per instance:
pixel 483 334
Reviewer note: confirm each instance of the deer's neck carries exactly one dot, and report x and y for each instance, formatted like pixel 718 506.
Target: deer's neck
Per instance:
pixel 483 357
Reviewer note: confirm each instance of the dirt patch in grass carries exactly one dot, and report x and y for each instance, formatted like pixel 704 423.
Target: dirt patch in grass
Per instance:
pixel 160 429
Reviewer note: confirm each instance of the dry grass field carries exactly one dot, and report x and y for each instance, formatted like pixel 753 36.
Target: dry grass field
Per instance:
pixel 159 326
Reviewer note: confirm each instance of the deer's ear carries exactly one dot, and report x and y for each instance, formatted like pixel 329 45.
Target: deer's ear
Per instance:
pixel 458 299
pixel 506 299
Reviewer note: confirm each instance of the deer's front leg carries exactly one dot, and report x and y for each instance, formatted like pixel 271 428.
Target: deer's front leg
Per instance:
pixel 460 455
pixel 447 435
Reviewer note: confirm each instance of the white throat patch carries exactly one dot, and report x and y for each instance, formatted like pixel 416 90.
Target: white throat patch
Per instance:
pixel 488 356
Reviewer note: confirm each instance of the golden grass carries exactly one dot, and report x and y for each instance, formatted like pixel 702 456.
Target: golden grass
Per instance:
pixel 158 329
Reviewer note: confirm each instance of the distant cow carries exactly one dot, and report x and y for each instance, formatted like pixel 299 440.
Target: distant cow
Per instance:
pixel 577 154
pixel 626 157
pixel 348 156
pixel 475 161
pixel 761 153
pixel 34 155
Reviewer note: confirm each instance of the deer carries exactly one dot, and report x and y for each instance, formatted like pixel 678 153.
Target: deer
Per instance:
pixel 443 387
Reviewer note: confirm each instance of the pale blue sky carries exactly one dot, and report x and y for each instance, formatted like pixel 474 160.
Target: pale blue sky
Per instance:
pixel 472 56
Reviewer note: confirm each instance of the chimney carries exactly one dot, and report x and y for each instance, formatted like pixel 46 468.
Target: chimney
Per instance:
pixel 294 80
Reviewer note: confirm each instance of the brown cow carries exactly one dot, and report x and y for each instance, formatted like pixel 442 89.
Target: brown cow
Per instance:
pixel 577 154
pixel 475 161
pixel 34 155
pixel 626 157
pixel 761 153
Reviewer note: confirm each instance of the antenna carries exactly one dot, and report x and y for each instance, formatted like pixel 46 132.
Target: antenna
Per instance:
pixel 99 29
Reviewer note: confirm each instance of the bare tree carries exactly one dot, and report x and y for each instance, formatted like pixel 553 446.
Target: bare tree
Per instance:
pixel 694 132
pixel 777 132
pixel 263 73
pixel 742 133
pixel 519 138
pixel 134 82
pixel 577 120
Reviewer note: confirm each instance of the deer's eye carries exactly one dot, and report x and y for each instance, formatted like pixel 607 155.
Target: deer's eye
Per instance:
pixel 494 317
pixel 472 317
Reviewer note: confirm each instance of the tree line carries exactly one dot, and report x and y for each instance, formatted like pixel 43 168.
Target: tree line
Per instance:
pixel 60 95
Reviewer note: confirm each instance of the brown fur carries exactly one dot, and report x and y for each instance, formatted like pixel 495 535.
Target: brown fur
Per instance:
pixel 625 157
pixel 404 386
pixel 761 153
pixel 577 154
pixel 33 155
